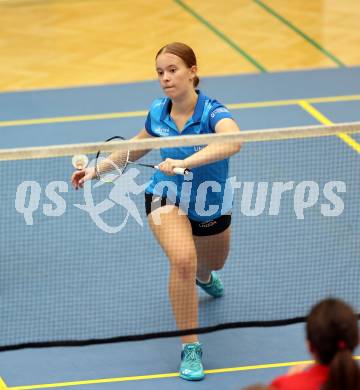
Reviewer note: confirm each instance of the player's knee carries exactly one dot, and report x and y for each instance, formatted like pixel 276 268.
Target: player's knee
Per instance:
pixel 184 264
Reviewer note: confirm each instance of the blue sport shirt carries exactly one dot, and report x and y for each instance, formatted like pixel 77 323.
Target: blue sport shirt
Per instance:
pixel 201 194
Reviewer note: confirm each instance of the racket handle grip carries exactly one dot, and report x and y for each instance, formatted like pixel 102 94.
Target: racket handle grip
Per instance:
pixel 177 171
pixel 181 171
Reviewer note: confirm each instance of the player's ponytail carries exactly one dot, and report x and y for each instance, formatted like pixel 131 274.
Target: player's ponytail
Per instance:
pixel 333 334
pixel 185 52
pixel 343 372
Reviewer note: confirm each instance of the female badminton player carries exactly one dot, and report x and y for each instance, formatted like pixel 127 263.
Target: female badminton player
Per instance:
pixel 196 243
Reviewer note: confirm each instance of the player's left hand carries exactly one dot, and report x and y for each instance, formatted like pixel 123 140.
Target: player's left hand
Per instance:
pixel 169 164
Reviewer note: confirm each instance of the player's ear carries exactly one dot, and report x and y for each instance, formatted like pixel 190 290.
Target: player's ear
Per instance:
pixel 193 71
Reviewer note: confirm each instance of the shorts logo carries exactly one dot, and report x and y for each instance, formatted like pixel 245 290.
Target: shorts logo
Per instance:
pixel 207 224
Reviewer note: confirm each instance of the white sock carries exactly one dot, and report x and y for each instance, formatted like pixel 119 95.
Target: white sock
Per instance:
pixel 203 282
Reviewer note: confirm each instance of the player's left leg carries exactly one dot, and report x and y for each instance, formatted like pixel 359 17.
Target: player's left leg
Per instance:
pixel 212 252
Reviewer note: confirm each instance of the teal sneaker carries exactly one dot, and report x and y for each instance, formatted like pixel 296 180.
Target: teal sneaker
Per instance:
pixel 191 367
pixel 215 287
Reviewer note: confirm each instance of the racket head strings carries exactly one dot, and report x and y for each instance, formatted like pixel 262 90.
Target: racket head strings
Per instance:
pixel 111 165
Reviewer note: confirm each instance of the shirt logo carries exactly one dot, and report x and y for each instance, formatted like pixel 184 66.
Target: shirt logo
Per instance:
pixel 198 148
pixel 218 110
pixel 163 131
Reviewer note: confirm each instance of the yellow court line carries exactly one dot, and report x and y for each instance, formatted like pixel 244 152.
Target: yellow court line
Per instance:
pixel 156 376
pixel 334 99
pixel 160 376
pixel 289 102
pixel 134 114
pixel 73 118
pixel 2 384
pixel 95 381
pixel 324 120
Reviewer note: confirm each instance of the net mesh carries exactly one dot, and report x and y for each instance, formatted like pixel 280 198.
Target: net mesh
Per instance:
pixel 83 266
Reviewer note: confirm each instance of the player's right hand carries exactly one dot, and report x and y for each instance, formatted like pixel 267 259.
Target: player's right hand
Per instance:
pixel 78 178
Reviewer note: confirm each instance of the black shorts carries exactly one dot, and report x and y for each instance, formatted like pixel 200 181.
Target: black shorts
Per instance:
pixel 205 228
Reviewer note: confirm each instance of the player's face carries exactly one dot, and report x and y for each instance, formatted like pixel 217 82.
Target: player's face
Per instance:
pixel 174 76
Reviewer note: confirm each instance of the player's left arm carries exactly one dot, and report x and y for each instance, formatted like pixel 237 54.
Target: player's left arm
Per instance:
pixel 216 151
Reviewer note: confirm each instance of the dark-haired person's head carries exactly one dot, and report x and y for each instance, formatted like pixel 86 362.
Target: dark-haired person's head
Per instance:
pixel 176 67
pixel 333 334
